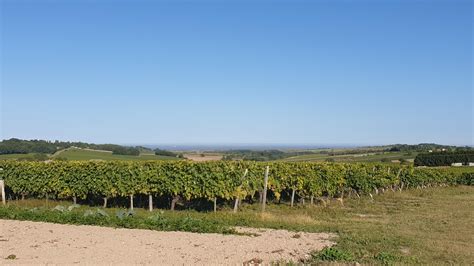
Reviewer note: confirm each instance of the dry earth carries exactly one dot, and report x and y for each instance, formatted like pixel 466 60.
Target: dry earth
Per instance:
pixel 47 243
pixel 207 157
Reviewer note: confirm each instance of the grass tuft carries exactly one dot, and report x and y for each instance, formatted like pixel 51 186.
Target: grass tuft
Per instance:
pixel 331 254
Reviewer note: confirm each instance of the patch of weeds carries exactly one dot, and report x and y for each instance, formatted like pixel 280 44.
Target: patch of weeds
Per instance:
pixel 191 224
pixel 332 254
pixel 33 209
pixel 88 213
pixel 73 206
pixel 386 258
pixel 121 214
pixel 102 213
pixel 123 219
pixel 60 208
pixel 96 213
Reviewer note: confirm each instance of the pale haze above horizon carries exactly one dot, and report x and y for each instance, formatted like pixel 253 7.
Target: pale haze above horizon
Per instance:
pixel 229 72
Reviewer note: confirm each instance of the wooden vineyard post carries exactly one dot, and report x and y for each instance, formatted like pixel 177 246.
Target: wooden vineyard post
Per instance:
pixel 292 197
pixel 237 199
pixel 265 184
pixel 105 202
pixel 398 176
pixel 236 204
pixel 2 190
pixel 150 202
pixel 173 202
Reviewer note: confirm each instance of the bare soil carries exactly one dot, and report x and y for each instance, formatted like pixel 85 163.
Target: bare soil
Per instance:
pixel 207 157
pixel 24 242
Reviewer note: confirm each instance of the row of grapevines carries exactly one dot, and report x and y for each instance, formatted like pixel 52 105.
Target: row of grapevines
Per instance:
pixel 209 180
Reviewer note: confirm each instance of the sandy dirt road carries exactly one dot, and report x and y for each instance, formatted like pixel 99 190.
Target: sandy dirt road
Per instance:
pixel 47 243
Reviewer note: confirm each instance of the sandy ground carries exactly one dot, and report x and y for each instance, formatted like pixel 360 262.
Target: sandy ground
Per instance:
pixel 47 243
pixel 207 157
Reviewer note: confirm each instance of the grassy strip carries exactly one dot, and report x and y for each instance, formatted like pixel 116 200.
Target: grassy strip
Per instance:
pixel 121 218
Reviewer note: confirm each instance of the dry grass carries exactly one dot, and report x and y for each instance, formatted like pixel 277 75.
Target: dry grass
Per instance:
pixel 431 226
pixel 297 219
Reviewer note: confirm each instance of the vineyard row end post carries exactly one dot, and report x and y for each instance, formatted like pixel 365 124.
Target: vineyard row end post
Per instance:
pixel 265 185
pixel 237 199
pixel 2 188
pixel 150 202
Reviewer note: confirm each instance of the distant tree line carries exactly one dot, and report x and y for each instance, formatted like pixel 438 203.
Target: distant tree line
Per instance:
pixel 422 147
pixel 15 146
pixel 18 146
pixel 444 158
pixel 164 152
pixel 116 149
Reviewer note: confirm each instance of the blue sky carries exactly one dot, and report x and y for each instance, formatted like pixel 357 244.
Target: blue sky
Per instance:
pixel 314 72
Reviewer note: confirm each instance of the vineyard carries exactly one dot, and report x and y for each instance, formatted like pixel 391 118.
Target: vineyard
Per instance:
pixel 444 158
pixel 226 181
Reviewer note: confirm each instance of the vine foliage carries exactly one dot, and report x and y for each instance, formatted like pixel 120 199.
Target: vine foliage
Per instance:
pixel 209 180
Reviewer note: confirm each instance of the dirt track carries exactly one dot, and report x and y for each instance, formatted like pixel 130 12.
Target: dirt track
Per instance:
pixel 46 243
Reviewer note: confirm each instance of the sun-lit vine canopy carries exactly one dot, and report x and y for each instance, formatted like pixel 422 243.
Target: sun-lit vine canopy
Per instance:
pixel 208 180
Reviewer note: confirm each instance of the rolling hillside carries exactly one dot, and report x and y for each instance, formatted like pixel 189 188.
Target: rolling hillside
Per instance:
pixel 87 154
pixel 365 157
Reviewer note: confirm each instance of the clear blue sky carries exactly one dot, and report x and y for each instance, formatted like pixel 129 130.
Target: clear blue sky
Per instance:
pixel 316 72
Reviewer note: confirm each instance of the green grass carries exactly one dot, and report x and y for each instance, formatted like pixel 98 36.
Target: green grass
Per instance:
pixel 82 154
pixel 110 218
pixel 431 226
pixel 16 156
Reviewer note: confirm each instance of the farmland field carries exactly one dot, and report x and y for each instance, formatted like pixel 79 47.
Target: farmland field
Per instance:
pixel 203 157
pixel 82 154
pixel 86 154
